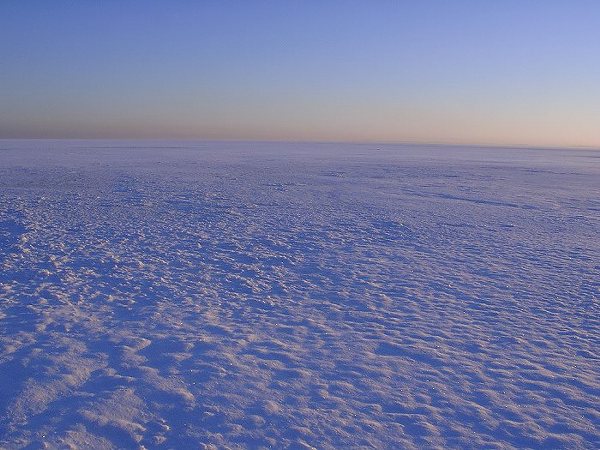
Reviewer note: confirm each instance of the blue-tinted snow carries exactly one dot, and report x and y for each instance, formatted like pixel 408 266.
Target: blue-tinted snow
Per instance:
pixel 169 295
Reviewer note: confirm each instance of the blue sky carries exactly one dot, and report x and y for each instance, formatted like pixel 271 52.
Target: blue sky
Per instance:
pixel 508 73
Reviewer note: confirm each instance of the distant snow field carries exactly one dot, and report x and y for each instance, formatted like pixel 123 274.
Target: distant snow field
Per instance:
pixel 175 294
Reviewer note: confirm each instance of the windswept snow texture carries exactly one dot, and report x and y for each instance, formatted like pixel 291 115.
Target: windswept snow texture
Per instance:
pixel 169 295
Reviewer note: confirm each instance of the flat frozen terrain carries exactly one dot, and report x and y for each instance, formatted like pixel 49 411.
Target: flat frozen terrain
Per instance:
pixel 169 294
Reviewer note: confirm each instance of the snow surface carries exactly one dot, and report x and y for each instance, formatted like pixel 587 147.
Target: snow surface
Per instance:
pixel 174 294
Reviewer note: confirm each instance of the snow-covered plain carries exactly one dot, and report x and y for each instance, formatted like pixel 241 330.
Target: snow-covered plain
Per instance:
pixel 174 294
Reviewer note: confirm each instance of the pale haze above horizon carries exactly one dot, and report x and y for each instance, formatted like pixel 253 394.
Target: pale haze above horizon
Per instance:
pixel 467 72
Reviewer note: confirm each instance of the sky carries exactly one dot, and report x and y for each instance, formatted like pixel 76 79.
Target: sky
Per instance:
pixel 520 72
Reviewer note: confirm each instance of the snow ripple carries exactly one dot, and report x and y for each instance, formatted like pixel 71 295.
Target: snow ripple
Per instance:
pixel 288 295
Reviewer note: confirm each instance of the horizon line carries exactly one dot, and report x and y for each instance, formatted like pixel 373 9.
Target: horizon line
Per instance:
pixel 315 141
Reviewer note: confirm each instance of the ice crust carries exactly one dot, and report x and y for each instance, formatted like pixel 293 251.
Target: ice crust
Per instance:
pixel 174 294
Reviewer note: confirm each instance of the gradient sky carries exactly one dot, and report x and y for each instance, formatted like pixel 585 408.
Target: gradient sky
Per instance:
pixel 491 72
